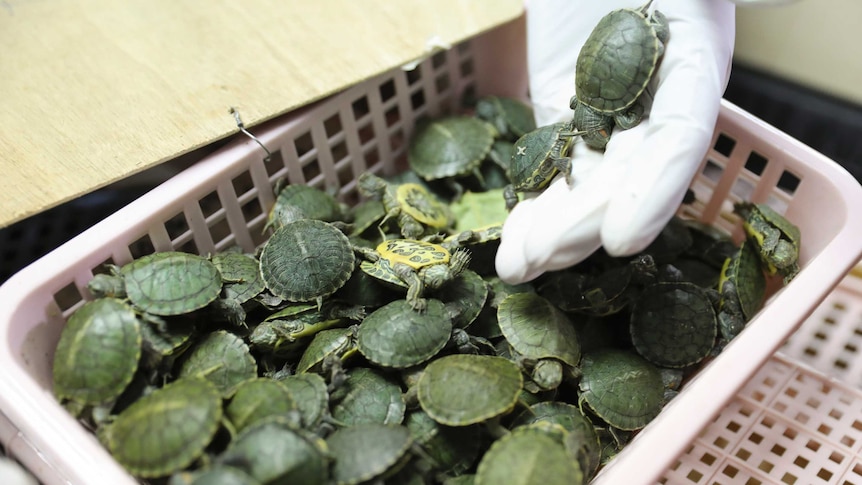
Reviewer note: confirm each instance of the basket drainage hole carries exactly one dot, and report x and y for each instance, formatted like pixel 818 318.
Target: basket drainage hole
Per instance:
pixel 801 462
pixel 788 182
pixel 789 479
pixel 724 144
pixel 707 458
pixel 755 163
pixel 694 476
pixel 68 296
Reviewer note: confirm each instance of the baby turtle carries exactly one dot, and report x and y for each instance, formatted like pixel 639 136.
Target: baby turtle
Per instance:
pixel 415 208
pixel 97 355
pixel 742 286
pixel 450 146
pixel 674 324
pixel 306 260
pixel 241 275
pixel 581 439
pixel 775 238
pixel 464 389
pixel 415 265
pixel 221 358
pixel 167 430
pixel 367 396
pixel 529 455
pixel 616 64
pixel 450 451
pixel 309 393
pixel 367 451
pixel 512 118
pixel 273 452
pixel 258 399
pixel 539 155
pixel 166 283
pixel 396 336
pixel 464 297
pixel 334 343
pixel 539 332
pixel 299 201
pixel 621 387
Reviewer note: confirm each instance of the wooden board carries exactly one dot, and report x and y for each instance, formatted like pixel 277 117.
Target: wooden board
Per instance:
pixel 97 90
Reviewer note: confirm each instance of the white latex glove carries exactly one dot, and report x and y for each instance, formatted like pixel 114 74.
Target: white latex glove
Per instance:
pixel 622 198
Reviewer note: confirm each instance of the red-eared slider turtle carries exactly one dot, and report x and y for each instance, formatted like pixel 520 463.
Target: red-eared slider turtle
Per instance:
pixel 539 155
pixel 396 336
pixel 539 332
pixel 449 450
pixel 338 343
pixel 258 399
pixel 529 455
pixel 450 146
pixel 775 238
pixel 464 389
pixel 242 281
pixel 600 293
pixel 298 201
pixel 97 354
pixel 290 328
pixel 621 388
pixel 415 265
pixel 367 451
pixel 367 396
pixel 164 284
pixel 309 393
pixel 674 324
pixel 221 358
pixel 241 275
pixel 512 118
pixel 365 214
pixel 617 61
pixel 581 439
pixel 742 287
pixel 273 452
pixel 167 430
pixel 306 260
pixel 464 297
pixel 417 210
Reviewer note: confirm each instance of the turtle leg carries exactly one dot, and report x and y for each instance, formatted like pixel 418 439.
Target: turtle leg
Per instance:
pixel 459 261
pixel 662 31
pixel 415 286
pixel 410 227
pixel 595 127
pixel 564 165
pixel 510 197
pixel 394 212
pixel 631 117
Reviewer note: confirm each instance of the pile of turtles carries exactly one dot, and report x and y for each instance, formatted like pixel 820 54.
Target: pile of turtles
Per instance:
pixel 366 344
pixel 375 344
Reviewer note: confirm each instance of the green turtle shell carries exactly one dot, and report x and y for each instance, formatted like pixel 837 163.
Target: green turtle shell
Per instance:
pixel 449 147
pixel 171 283
pixel 617 61
pixel 306 260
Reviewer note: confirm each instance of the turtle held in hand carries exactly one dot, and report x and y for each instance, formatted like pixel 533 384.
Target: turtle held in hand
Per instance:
pixel 614 67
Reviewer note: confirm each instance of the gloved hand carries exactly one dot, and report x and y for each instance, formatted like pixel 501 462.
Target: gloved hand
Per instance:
pixel 622 197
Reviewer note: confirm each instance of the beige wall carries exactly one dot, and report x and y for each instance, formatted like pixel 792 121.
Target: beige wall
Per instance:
pixel 812 42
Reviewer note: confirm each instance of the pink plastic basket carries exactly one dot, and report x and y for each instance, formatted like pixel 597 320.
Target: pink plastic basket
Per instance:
pixel 798 420
pixel 222 201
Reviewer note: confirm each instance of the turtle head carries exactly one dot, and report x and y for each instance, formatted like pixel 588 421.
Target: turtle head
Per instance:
pixel 371 185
